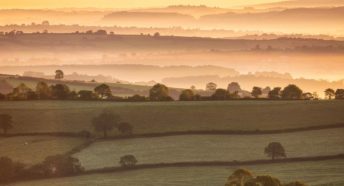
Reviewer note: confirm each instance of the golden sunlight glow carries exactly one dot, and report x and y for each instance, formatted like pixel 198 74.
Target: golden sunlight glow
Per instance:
pixel 5 4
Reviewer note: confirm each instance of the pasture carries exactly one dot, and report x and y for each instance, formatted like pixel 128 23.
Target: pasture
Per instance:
pixel 31 150
pixel 318 173
pixel 159 117
pixel 210 148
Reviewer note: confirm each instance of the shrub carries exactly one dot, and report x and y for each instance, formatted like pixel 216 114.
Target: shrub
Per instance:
pixel 128 161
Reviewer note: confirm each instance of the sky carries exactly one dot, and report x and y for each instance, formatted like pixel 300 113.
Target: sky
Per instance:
pixel 26 4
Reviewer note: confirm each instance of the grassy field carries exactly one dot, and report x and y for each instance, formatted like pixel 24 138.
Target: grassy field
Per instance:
pixel 222 148
pixel 321 173
pixel 33 150
pixel 150 117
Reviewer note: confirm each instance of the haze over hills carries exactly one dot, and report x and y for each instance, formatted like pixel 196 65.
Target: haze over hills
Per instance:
pixel 299 19
pixel 300 3
pixel 309 58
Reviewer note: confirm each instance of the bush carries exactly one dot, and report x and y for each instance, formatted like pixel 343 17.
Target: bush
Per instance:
pixel 128 161
pixel 137 98
pixel 9 170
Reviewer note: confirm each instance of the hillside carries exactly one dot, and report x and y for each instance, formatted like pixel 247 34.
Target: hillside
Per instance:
pixel 301 3
pixel 299 20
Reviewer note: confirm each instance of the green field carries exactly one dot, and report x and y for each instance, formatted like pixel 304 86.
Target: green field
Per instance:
pixel 223 148
pixel 320 173
pixel 32 150
pixel 152 117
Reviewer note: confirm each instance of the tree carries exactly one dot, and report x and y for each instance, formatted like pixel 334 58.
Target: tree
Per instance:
pixel 9 169
pixel 267 181
pixel 59 74
pixel 239 177
pixel 275 93
pixel 211 86
pixel 233 87
pixel 159 92
pixel 137 98
pixel 339 94
pixel 221 94
pixel 101 32
pixel 156 34
pixel 60 91
pixel 275 150
pixel 61 165
pixel 5 122
pixel 256 92
pixel 43 90
pixel 307 96
pixel 86 95
pixel 291 92
pixel 125 128
pixel 242 177
pixel 329 93
pixel 186 95
pixel 22 92
pixel 105 122
pixel 128 161
pixel 2 97
pixel 103 91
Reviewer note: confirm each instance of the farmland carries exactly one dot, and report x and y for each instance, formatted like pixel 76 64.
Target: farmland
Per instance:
pixel 223 147
pixel 314 173
pixel 162 117
pixel 32 150
pixel 153 117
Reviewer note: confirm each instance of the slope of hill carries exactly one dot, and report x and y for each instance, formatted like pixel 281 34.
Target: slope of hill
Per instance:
pixel 301 20
pixel 145 19
pixel 301 3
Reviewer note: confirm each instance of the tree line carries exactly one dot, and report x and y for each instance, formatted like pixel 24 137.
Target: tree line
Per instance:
pixel 159 92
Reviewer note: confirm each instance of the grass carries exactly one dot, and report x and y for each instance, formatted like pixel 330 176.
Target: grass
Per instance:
pixel 33 150
pixel 314 173
pixel 222 148
pixel 150 117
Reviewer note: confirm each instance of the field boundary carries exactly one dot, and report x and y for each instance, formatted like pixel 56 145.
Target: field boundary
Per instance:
pixel 213 163
pixel 181 133
pixel 226 132
pixel 193 164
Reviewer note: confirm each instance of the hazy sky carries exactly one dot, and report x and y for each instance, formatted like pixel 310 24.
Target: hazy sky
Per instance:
pixel 4 4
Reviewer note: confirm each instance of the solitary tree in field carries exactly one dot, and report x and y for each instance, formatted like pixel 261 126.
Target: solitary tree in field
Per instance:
pixel 330 93
pixel 105 122
pixel 103 91
pixel 125 128
pixel 256 92
pixel 128 161
pixel 59 74
pixel 5 122
pixel 275 150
